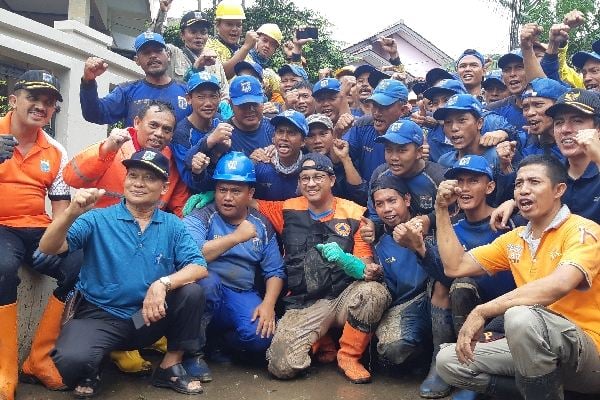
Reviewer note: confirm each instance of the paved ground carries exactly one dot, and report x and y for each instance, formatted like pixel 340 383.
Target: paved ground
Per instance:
pixel 238 382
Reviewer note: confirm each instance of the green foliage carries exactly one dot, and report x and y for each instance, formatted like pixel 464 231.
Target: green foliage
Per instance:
pixel 546 13
pixel 325 52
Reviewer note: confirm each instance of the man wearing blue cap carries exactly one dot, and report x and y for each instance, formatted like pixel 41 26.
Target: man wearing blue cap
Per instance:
pixel 204 96
pixel 515 79
pixel 389 103
pixel 238 242
pixel 494 88
pixel 333 103
pixel 124 101
pixel 470 67
pixel 589 65
pixel 129 302
pixel 278 180
pixel 291 74
pixel 463 121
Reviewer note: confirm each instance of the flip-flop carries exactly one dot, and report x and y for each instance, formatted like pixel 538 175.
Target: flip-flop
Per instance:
pixel 163 377
pixel 92 383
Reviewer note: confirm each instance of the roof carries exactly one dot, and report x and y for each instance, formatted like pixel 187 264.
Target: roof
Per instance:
pixel 369 50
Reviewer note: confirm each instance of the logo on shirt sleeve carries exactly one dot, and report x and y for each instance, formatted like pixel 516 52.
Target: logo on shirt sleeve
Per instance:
pixel 342 229
pixel 182 102
pixel 45 165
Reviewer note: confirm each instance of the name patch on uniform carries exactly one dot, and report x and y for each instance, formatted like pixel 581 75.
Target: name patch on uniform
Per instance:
pixel 342 229
pixel 425 201
pixel 44 165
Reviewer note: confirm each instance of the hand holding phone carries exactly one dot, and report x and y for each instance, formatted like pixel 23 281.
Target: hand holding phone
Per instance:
pixel 307 32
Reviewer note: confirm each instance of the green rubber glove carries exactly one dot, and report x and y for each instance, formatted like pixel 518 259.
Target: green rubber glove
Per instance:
pixel 352 266
pixel 198 201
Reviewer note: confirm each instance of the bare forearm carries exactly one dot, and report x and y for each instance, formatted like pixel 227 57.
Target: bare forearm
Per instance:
pixel 213 249
pixel 238 56
pixel 54 240
pixel 59 207
pixel 450 249
pixel 533 69
pixel 274 286
pixel 352 175
pixel 188 274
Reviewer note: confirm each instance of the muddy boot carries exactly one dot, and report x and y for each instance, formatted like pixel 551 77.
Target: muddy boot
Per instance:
pixel 8 352
pixel 464 297
pixel 545 387
pixel 353 343
pixel 324 350
pixel 39 366
pixel 131 362
pixel 434 387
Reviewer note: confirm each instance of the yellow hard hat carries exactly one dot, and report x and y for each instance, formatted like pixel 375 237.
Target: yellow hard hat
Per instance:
pixel 347 70
pixel 272 31
pixel 229 9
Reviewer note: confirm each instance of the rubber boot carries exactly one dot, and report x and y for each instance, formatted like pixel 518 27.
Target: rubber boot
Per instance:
pixel 465 395
pixel 545 387
pixel 39 367
pixel 503 387
pixel 353 343
pixel 131 362
pixel 324 350
pixel 464 297
pixel 160 345
pixel 442 330
pixel 8 351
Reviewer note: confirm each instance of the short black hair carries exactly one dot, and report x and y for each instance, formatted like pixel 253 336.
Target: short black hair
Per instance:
pixel 557 172
pixel 161 105
pixel 303 85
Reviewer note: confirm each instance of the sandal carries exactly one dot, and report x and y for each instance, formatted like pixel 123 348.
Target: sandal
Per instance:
pixel 163 377
pixel 89 383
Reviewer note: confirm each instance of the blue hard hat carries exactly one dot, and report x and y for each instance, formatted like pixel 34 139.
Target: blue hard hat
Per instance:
pixel 235 166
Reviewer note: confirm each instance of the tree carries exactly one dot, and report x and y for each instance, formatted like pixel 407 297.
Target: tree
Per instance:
pixel 548 12
pixel 324 52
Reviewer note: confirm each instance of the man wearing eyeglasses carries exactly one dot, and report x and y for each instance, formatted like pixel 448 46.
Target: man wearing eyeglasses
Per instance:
pixel 331 277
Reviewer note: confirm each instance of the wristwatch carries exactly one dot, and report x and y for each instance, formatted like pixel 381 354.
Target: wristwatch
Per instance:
pixel 165 280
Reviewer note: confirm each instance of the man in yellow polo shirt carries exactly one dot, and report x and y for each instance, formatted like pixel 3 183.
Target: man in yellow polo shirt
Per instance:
pixel 551 320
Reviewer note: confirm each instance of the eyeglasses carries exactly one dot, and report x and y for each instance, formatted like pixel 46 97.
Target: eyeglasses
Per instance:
pixel 318 178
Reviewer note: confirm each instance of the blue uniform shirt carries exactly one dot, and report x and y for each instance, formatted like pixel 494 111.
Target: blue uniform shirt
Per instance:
pixel 184 138
pixel 124 101
pixel 121 262
pixel 365 153
pixel 508 109
pixel 274 186
pixel 402 272
pixel 583 194
pixel 247 142
pixel 237 266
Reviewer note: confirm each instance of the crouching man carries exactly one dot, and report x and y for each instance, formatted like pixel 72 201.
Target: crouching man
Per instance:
pixel 138 261
pixel 551 319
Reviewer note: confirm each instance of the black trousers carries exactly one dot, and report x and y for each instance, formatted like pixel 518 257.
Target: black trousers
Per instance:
pixel 18 246
pixel 93 333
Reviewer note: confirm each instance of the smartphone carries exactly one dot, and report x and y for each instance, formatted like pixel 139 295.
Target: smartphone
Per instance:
pixel 308 32
pixel 138 319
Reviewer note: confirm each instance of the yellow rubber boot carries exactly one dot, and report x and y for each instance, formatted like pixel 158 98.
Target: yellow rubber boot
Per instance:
pixel 353 343
pixel 131 362
pixel 160 345
pixel 8 352
pixel 39 366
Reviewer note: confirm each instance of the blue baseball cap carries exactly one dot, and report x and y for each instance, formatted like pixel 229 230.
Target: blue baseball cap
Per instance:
pixel 420 87
pixel 445 86
pixel 581 57
pixel 434 75
pixel 494 77
pixel 544 87
pixel 471 52
pixel 459 102
pixel 403 131
pixel 389 91
pixel 327 84
pixel 292 117
pixel 245 89
pixel 251 65
pixel 148 37
pixel 293 69
pixel 363 69
pixel 203 78
pixel 377 76
pixel 513 56
pixel 470 163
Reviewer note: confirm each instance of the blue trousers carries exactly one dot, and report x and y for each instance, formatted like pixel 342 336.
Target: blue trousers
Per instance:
pixel 230 313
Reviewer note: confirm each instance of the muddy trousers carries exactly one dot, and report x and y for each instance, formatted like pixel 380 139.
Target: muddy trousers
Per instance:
pixel 93 333
pixel 361 304
pixel 538 343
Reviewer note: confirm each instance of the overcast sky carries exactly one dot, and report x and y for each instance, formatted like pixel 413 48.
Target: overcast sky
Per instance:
pixel 450 25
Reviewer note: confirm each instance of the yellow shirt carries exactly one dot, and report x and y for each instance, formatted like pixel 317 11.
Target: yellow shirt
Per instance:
pixel 570 239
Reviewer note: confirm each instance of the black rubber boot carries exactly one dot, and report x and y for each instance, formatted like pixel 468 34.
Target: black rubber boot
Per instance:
pixel 434 387
pixel 464 297
pixel 545 387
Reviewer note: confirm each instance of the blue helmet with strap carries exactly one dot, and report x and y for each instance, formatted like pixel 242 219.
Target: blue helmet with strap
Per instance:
pixel 235 167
